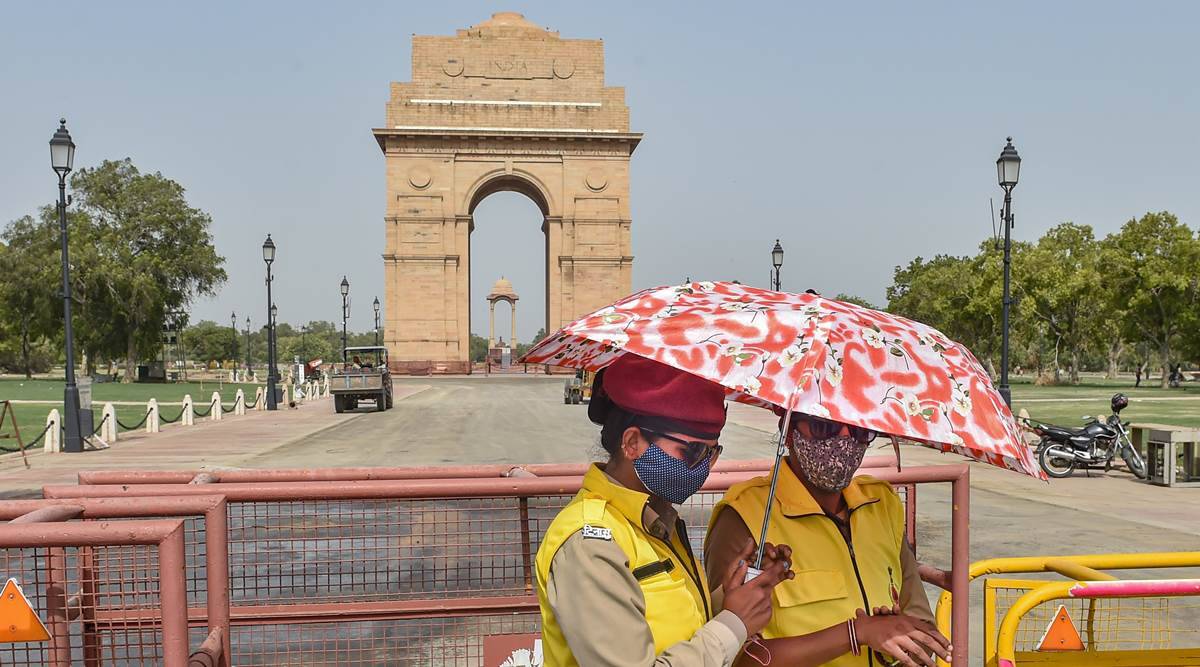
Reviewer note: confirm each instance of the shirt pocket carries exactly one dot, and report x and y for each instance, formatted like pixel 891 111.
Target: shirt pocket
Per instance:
pixel 811 586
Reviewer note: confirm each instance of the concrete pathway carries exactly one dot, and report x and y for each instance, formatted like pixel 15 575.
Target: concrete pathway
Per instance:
pixel 232 442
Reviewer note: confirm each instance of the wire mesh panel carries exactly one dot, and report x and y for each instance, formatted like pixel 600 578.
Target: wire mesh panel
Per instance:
pixel 425 642
pixel 100 604
pixel 1111 624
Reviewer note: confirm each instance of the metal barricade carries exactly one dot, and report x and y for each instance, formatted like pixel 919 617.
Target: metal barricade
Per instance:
pixel 416 571
pixel 206 555
pixel 1127 623
pixel 410 472
pixel 75 573
pixel 1110 630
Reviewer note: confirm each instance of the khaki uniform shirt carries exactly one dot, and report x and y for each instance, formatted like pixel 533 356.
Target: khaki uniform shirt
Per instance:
pixel 602 612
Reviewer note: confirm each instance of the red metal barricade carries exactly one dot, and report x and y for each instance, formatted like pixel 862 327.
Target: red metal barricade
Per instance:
pixel 418 571
pixel 75 573
pixel 206 555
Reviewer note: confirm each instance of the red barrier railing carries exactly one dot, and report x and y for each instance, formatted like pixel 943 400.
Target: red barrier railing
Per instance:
pixel 358 571
pixel 206 554
pixel 415 472
pixel 65 569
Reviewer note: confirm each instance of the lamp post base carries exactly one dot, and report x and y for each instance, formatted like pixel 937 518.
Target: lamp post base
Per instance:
pixel 1006 394
pixel 72 440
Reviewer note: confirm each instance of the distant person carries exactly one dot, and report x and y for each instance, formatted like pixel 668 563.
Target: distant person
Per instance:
pixel 1138 377
pixel 356 362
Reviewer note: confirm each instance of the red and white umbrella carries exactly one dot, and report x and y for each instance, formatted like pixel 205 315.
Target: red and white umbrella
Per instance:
pixel 819 356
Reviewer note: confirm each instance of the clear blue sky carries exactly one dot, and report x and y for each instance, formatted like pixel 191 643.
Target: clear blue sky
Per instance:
pixel 861 134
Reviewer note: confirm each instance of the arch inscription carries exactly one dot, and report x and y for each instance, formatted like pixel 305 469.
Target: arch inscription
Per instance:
pixel 504 105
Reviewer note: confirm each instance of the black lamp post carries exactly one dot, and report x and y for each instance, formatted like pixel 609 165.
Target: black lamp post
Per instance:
pixel 376 321
pixel 777 261
pixel 233 327
pixel 268 249
pixel 345 313
pixel 1008 169
pixel 247 345
pixel 304 343
pixel 62 159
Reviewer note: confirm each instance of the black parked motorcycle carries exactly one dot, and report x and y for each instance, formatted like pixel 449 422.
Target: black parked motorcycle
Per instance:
pixel 1092 446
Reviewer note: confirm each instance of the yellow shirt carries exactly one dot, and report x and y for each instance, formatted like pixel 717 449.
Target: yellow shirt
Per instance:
pixel 834 576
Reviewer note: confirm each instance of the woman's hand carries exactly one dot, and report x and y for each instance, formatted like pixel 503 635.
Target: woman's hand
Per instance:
pixel 909 640
pixel 750 600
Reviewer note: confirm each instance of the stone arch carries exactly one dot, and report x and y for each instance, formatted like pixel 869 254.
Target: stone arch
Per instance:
pixel 519 181
pixel 502 105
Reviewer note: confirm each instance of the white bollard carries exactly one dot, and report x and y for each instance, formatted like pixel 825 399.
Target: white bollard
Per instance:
pixel 260 398
pixel 187 418
pixel 53 442
pixel 108 430
pixel 215 404
pixel 239 403
pixel 286 389
pixel 152 424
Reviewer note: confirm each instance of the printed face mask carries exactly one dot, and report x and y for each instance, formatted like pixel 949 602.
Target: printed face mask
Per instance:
pixel 668 477
pixel 829 464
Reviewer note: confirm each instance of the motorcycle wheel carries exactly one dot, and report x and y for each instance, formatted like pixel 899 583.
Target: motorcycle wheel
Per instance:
pixel 1137 466
pixel 1055 466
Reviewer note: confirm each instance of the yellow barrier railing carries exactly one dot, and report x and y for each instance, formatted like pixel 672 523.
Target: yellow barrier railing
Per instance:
pixel 1084 567
pixel 1006 654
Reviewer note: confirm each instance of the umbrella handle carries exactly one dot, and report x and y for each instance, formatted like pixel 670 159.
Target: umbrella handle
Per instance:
pixel 780 452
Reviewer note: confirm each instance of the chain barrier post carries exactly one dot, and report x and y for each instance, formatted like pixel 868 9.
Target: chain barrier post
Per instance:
pixel 54 435
pixel 215 408
pixel 259 395
pixel 108 423
pixel 187 417
pixel 239 402
pixel 152 425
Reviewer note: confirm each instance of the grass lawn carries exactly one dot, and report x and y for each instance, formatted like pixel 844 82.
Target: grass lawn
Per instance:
pixel 1065 405
pixel 31 419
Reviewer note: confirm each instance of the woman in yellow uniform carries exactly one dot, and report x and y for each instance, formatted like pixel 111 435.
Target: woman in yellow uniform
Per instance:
pixel 617 581
pixel 856 598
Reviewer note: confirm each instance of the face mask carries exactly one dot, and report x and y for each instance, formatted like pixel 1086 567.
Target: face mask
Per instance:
pixel 828 464
pixel 668 477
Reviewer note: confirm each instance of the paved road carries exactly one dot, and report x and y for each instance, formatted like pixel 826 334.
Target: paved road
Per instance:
pixel 495 419
pixel 523 420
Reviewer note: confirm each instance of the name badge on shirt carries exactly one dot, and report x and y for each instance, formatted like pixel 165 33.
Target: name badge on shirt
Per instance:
pixel 596 533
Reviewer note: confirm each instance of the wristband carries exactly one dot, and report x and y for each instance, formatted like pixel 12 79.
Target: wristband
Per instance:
pixel 853 632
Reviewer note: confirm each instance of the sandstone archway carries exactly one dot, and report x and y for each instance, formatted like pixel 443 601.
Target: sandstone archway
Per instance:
pixel 504 105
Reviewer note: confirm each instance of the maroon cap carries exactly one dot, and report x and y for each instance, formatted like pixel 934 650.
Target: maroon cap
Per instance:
pixel 665 397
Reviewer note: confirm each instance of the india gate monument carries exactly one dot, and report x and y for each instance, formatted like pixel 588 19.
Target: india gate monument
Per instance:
pixel 502 105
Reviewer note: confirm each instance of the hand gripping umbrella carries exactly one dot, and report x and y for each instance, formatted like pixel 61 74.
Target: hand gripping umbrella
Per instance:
pixel 805 353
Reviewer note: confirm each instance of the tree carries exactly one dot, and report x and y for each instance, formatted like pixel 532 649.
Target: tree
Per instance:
pixel 1058 280
pixel 857 300
pixel 29 264
pixel 959 296
pixel 151 252
pixel 1153 263
pixel 208 341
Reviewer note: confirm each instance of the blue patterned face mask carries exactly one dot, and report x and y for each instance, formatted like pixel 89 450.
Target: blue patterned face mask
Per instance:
pixel 668 477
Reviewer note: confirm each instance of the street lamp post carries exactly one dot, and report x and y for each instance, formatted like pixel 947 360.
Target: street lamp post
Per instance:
pixel 275 344
pixel 1008 169
pixel 376 321
pixel 233 326
pixel 777 262
pixel 247 346
pixel 345 313
pixel 62 159
pixel 268 249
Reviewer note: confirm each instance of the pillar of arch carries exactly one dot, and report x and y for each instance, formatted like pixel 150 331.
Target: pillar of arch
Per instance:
pixel 501 106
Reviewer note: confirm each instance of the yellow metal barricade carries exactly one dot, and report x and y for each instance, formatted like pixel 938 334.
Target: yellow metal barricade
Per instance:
pixel 1150 628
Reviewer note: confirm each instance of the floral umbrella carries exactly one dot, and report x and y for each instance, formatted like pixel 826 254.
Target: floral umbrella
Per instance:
pixel 817 356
